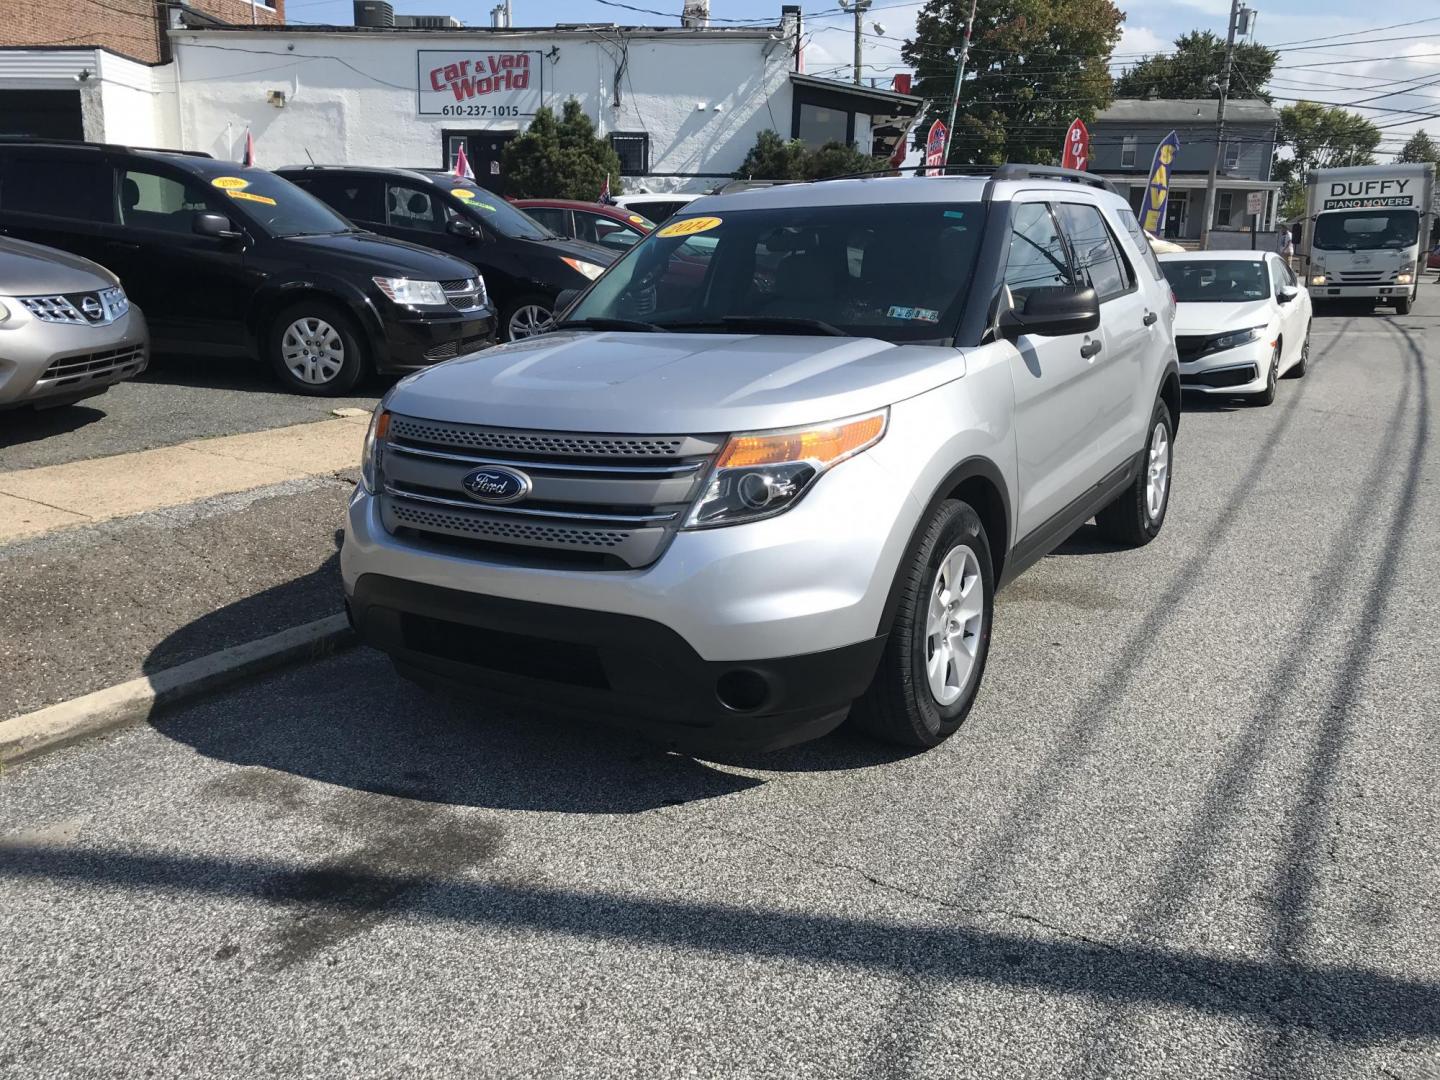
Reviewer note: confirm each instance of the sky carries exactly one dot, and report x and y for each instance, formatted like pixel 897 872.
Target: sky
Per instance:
pixel 1335 51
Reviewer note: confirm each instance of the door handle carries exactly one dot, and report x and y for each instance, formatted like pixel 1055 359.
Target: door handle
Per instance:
pixel 1090 348
pixel 1150 318
pixel 122 245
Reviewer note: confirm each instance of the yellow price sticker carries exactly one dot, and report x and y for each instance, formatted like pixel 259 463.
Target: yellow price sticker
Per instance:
pixel 250 197
pixel 230 183
pixel 636 219
pixel 690 226
pixel 462 193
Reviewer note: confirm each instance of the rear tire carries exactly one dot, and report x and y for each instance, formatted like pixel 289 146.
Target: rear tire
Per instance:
pixel 1136 517
pixel 316 349
pixel 935 656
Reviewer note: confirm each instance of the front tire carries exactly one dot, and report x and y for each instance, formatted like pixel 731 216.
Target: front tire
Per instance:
pixel 935 656
pixel 1302 365
pixel 1136 517
pixel 1267 396
pixel 527 317
pixel 1403 306
pixel 316 349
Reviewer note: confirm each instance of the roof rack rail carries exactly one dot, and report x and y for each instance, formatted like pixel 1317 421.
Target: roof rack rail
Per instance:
pixel 32 140
pixel 1051 172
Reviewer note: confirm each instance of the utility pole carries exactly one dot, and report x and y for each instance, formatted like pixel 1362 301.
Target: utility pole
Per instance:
pixel 959 78
pixel 859 7
pixel 1209 220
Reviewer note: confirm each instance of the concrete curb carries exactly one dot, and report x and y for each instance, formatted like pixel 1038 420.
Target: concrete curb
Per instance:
pixel 140 698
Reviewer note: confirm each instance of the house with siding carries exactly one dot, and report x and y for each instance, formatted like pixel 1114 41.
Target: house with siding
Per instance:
pixel 1124 137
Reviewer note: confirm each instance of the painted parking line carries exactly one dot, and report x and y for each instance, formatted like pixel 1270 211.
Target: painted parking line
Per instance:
pixel 35 501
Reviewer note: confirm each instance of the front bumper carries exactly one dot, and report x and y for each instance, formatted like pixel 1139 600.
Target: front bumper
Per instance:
pixel 1234 371
pixel 414 341
pixel 628 671
pixel 49 364
pixel 1359 292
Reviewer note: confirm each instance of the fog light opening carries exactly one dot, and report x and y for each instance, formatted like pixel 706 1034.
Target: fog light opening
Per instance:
pixel 742 690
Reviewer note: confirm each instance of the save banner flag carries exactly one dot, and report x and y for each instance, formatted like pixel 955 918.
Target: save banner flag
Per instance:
pixel 1076 154
pixel 1157 194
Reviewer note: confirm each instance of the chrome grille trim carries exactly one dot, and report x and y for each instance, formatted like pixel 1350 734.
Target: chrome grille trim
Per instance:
pixel 89 366
pixel 565 515
pixel 572 444
pixel 679 469
pixel 544 536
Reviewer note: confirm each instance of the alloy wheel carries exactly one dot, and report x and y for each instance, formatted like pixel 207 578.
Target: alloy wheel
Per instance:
pixel 529 320
pixel 953 624
pixel 312 350
pixel 1157 475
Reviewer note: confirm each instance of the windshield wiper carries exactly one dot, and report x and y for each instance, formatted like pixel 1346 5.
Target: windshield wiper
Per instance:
pixel 775 324
pixel 608 324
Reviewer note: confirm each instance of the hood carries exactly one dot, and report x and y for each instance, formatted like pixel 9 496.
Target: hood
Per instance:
pixel 1208 319
pixel 673 383
pixel 380 256
pixel 575 249
pixel 30 270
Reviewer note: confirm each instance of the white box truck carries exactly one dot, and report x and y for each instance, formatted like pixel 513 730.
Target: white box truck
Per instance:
pixel 1366 232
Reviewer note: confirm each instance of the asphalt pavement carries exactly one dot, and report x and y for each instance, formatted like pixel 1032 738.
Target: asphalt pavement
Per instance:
pixel 1190 830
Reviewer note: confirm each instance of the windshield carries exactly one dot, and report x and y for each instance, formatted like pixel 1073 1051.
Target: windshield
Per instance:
pixel 1217 281
pixel 898 273
pixel 495 212
pixel 277 205
pixel 1367 229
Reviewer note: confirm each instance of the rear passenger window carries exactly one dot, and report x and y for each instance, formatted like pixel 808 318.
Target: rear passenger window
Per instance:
pixel 151 201
pixel 1142 242
pixel 411 208
pixel 551 217
pixel 1097 263
pixel 63 187
pixel 1038 259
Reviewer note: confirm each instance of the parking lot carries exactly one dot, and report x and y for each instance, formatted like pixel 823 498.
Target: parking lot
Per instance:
pixel 1190 828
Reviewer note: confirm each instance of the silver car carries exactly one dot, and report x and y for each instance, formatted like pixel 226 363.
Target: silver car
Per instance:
pixel 67 330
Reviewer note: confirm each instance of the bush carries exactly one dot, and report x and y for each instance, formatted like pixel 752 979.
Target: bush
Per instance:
pixel 560 159
pixel 772 158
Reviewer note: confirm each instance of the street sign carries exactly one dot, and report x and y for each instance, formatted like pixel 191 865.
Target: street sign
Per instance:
pixel 935 147
pixel 1076 154
pixel 1255 203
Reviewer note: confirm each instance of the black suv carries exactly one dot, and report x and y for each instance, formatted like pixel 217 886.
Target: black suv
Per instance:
pixel 225 259
pixel 525 264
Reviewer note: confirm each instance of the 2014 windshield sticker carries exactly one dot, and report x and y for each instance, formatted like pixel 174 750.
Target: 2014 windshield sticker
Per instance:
pixel 462 193
pixel 690 226
pixel 918 314
pixel 230 183
pixel 250 197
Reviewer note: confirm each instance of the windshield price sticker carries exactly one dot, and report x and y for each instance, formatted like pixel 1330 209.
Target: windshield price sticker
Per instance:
pixel 636 219
pixel 690 226
pixel 462 193
pixel 249 197
pixel 922 314
pixel 230 183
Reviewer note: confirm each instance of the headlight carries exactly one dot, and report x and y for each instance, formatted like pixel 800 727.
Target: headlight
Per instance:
pixel 589 269
pixel 762 474
pixel 1404 277
pixel 412 293
pixel 4 312
pixel 373 450
pixel 1317 279
pixel 482 295
pixel 1221 342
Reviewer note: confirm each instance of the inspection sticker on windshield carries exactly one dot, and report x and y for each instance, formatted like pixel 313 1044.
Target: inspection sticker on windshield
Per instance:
pixel 462 193
pixel 636 219
pixel 920 314
pixel 230 183
pixel 690 226
pixel 251 197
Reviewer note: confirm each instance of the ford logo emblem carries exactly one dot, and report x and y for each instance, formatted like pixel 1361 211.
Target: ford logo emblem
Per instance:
pixel 494 484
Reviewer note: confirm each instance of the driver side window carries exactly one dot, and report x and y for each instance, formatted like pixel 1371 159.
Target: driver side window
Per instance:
pixel 1038 259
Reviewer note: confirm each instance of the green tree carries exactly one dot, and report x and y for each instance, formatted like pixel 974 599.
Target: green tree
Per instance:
pixel 560 159
pixel 1193 70
pixel 772 158
pixel 1420 148
pixel 1319 137
pixel 1034 66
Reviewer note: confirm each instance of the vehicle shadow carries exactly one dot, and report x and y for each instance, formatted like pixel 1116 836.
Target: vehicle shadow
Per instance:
pixel 1211 403
pixel 30 425
pixel 236 373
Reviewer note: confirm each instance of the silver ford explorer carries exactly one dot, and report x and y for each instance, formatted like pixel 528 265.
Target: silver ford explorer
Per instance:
pixel 770 469
pixel 67 330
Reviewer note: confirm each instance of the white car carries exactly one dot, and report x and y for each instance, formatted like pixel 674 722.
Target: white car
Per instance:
pixel 656 207
pixel 1242 321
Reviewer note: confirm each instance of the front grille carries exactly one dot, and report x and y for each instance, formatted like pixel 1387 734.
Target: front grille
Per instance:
pixel 451 349
pixel 79 309
pixel 465 294
pixel 1221 378
pixel 89 367
pixel 458 285
pixel 614 500
pixel 1361 277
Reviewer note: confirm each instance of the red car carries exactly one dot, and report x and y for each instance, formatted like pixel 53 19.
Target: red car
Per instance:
pixel 1432 261
pixel 599 223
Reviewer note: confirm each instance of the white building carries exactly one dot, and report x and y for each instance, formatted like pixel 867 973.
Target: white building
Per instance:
pixel 682 105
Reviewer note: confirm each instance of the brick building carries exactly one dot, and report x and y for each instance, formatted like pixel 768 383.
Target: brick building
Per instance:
pixel 131 28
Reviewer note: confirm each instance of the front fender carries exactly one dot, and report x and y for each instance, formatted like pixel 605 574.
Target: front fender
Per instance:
pixel 278 293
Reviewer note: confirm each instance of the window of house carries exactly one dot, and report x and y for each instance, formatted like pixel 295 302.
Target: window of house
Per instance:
pixel 1128 146
pixel 1232 156
pixel 1096 260
pixel 633 150
pixel 819 126
pixel 1224 208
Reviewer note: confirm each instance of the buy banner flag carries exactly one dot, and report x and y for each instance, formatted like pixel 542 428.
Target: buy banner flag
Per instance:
pixel 1157 195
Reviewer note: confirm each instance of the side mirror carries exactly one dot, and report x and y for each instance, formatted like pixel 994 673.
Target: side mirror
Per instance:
pixel 563 299
pixel 215 225
pixel 1054 313
pixel 1287 293
pixel 460 227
